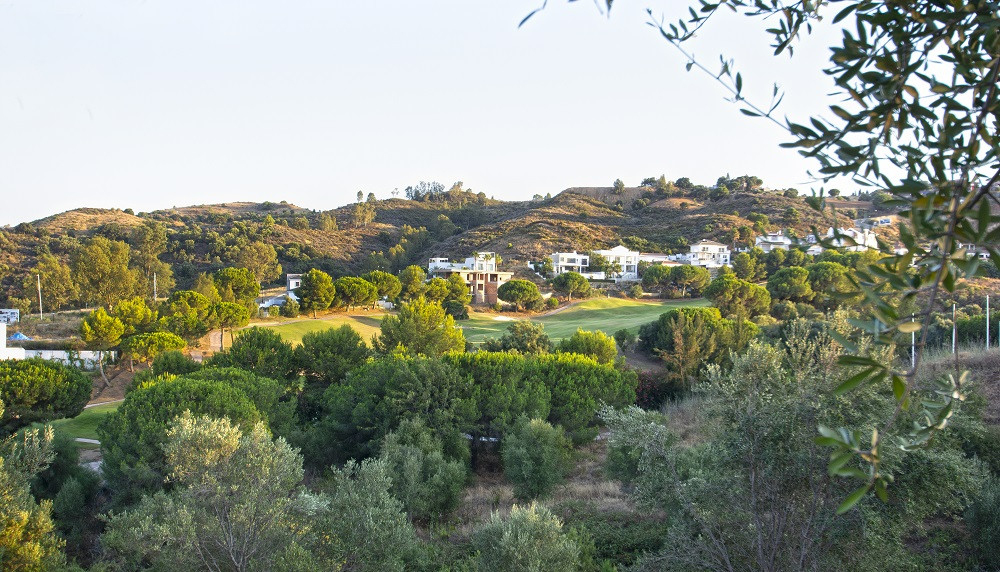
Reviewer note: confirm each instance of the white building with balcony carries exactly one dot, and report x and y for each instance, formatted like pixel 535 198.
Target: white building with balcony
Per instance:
pixel 773 241
pixel 706 253
pixel 563 262
pixel 626 260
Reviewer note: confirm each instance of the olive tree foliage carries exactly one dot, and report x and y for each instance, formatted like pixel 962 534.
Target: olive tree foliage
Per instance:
pixel 28 539
pixel 757 496
pixel 530 538
pixel 428 483
pixel 916 117
pixel 235 505
pixel 326 356
pixel 536 457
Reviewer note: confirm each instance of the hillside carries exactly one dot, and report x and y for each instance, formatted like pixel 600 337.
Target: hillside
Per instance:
pixel 405 231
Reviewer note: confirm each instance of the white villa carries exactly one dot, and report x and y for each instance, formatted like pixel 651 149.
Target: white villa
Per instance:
pixel 292 281
pixel 563 262
pixel 479 272
pixel 627 260
pixel 773 241
pixel 706 253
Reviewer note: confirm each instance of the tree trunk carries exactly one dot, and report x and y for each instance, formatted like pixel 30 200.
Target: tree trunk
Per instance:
pixel 100 368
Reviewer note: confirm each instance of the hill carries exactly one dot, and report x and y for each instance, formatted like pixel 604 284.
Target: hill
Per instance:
pixel 454 223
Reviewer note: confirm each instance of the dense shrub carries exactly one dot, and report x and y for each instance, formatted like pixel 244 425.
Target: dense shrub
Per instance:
pixel 427 483
pixel 291 308
pixel 503 389
pixel 536 457
pixel 983 520
pixel 456 309
pixel 328 355
pixel 578 386
pixel 377 397
pixel 261 351
pixel 596 344
pixel 38 390
pixel 175 362
pixel 530 538
pixel 654 389
pixel 523 336
pixel 625 339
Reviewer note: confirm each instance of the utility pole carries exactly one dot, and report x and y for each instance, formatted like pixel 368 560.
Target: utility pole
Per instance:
pixel 954 330
pixel 38 277
pixel 987 321
pixel 154 287
pixel 913 346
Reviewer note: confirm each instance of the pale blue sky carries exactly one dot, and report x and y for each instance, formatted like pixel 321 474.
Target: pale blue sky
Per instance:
pixel 155 103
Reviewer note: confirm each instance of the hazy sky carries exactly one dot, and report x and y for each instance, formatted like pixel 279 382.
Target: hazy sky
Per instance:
pixel 156 103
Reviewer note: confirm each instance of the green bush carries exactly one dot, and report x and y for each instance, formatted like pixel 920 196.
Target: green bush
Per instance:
pixel 291 308
pixel 38 390
pixel 428 484
pixel 504 389
pixel 132 437
pixel 328 355
pixel 552 303
pixel 261 351
pixel 529 539
pixel 625 339
pixel 536 457
pixel 522 336
pixel 578 386
pixel 456 309
pixel 378 396
pixel 273 311
pixel 596 344
pixel 175 362
pixel 983 520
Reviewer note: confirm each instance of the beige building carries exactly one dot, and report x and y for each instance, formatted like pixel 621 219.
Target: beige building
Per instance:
pixel 479 272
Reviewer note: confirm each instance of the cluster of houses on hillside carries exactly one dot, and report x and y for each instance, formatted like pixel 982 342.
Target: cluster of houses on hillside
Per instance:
pixel 482 274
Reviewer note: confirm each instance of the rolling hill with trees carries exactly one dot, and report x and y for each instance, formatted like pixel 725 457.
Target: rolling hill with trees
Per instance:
pixel 179 244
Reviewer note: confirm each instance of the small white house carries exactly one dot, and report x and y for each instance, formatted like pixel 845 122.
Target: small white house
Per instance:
pixel 292 281
pixel 627 260
pixel 773 241
pixel 479 272
pixel 10 315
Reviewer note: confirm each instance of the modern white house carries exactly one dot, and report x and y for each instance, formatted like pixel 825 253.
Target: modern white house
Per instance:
pixel 706 253
pixel 479 272
pixel 627 260
pixel 773 241
pixel 563 262
pixel 292 281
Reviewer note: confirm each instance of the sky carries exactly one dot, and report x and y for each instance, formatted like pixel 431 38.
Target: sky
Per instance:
pixel 158 103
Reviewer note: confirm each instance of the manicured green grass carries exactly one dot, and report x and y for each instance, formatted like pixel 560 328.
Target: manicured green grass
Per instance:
pixel 605 314
pixel 366 325
pixel 84 425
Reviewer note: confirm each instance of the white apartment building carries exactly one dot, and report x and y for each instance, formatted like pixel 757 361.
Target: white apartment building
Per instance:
pixel 627 261
pixel 773 241
pixel 563 262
